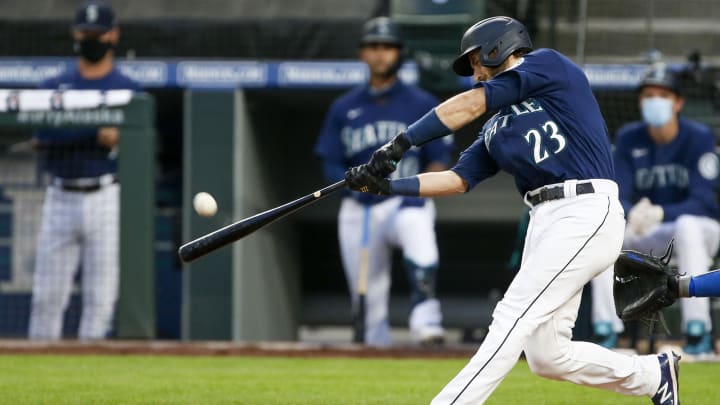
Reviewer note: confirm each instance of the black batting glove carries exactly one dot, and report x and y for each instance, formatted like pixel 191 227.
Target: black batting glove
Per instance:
pixel 384 160
pixel 360 178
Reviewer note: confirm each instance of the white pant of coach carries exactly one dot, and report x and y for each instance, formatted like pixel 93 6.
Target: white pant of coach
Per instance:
pixel 78 229
pixel 569 241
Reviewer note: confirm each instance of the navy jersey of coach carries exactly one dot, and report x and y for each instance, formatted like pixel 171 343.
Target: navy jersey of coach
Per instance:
pixel 548 128
pixel 361 121
pixel 681 176
pixel 74 152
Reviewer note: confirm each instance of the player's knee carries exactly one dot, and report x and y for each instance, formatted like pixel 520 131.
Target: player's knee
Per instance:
pixel 688 239
pixel 545 364
pixel 47 304
pixel 421 280
pixel 685 225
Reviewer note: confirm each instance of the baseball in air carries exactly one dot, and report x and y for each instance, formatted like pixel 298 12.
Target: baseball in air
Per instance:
pixel 204 204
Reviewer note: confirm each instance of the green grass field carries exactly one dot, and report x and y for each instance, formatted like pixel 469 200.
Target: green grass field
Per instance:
pixel 39 379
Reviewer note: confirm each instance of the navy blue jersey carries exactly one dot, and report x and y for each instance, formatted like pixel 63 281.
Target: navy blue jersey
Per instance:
pixel 681 176
pixel 548 127
pixel 361 120
pixel 74 152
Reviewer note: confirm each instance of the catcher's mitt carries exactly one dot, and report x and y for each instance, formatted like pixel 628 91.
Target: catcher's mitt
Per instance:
pixel 642 285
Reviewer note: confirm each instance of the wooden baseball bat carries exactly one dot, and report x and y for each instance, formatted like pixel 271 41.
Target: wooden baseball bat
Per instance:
pixel 359 326
pixel 240 229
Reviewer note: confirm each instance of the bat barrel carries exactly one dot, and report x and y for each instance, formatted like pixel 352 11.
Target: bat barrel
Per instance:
pixel 230 233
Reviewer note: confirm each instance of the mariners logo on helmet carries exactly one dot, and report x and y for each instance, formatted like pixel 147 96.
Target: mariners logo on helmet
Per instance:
pixel 381 30
pixel 496 38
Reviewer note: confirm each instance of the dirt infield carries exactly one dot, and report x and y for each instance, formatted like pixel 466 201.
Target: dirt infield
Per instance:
pixel 219 348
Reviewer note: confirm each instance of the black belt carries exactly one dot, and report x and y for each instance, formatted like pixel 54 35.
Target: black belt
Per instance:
pixel 85 185
pixel 558 192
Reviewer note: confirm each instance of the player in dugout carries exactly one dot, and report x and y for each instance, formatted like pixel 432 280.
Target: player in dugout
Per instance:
pixel 357 123
pixel 667 170
pixel 80 221
pixel 550 136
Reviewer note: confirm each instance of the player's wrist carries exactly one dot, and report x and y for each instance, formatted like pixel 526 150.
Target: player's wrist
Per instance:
pixel 427 128
pixel 681 286
pixel 407 186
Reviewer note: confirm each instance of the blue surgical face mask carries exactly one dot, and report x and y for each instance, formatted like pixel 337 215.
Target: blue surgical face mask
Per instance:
pixel 656 111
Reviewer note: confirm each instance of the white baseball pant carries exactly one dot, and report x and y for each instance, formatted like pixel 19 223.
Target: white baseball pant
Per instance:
pixel 569 241
pixel 78 228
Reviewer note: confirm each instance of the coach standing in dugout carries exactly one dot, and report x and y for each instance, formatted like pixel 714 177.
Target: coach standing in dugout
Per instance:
pixel 80 221
pixel 667 170
pixel 358 123
pixel 550 135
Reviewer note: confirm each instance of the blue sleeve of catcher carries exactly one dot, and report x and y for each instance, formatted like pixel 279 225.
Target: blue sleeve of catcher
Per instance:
pixel 705 285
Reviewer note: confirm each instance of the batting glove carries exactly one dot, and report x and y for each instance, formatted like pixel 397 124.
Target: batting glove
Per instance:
pixel 643 216
pixel 384 160
pixel 360 178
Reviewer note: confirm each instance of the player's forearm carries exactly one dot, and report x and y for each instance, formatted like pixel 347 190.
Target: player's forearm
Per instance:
pixel 437 184
pixel 433 184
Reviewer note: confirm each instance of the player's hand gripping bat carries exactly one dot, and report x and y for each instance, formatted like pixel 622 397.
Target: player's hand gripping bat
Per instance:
pixel 238 230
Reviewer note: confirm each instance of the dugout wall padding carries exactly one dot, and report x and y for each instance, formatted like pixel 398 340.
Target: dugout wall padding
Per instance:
pixel 249 290
pixel 135 313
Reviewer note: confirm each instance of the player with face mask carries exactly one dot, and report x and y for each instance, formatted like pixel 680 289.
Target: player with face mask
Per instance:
pixel 550 136
pixel 80 222
pixel 667 170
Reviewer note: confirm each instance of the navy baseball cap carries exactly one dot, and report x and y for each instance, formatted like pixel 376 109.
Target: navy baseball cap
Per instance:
pixel 662 76
pixel 381 30
pixel 94 15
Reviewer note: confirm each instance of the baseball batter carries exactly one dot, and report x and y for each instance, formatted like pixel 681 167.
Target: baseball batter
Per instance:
pixel 550 135
pixel 667 170
pixel 357 123
pixel 81 210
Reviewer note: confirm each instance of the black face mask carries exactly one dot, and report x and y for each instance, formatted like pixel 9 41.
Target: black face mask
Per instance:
pixel 92 49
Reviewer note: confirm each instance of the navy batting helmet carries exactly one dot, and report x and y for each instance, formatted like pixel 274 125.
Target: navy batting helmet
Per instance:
pixel 381 30
pixel 496 38
pixel 661 76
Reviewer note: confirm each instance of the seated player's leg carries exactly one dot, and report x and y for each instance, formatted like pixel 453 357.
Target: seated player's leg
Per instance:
pixel 57 260
pixel 414 231
pixel 606 324
pixel 696 241
pixel 350 225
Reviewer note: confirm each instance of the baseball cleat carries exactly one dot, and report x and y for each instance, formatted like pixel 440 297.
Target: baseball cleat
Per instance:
pixel 604 335
pixel 698 340
pixel 433 341
pixel 668 392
